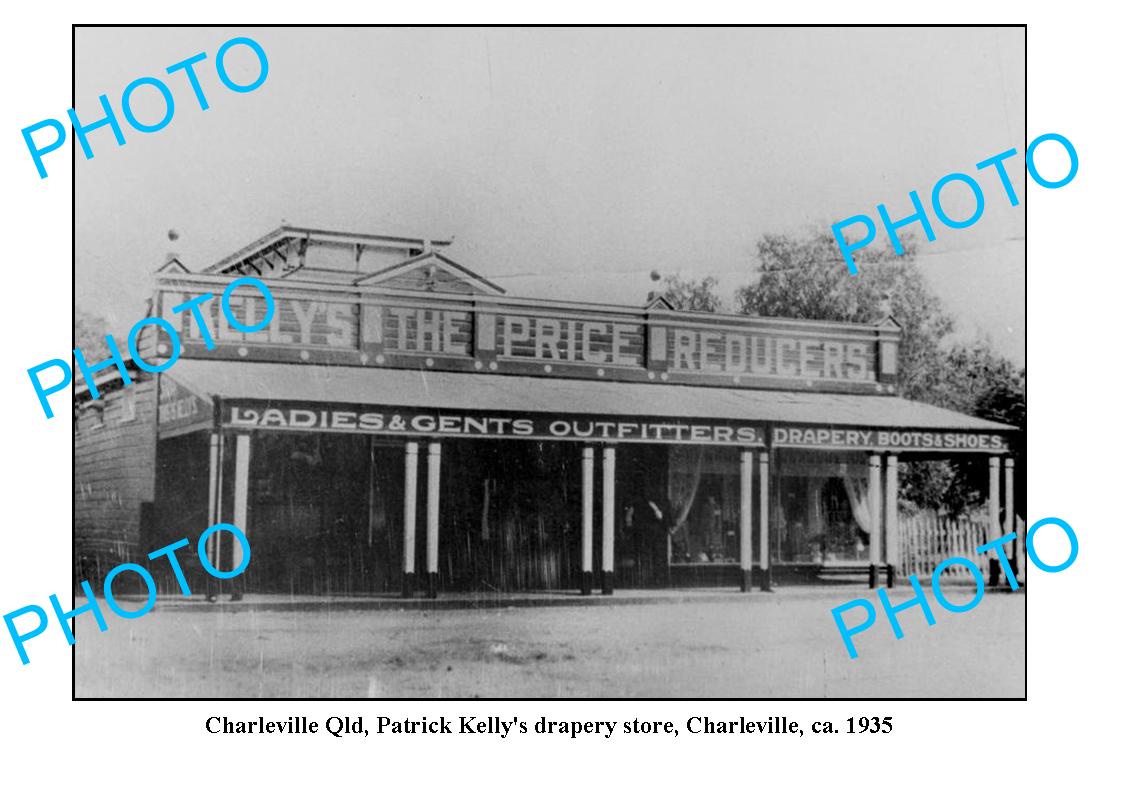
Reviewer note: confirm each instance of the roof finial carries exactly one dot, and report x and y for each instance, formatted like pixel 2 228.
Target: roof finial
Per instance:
pixel 173 236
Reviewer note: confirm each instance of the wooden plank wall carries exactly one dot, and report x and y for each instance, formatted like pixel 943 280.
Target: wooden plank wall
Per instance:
pixel 114 473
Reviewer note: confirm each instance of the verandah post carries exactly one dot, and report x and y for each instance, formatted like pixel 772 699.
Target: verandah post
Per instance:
pixel 874 499
pixel 765 572
pixel 994 529
pixel 241 501
pixel 432 517
pixel 214 508
pixel 1008 524
pixel 409 524
pixel 892 527
pixel 608 518
pixel 746 520
pixel 587 520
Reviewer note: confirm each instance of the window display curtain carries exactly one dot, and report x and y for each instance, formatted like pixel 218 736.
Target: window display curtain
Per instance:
pixel 815 503
pixel 857 490
pixel 683 485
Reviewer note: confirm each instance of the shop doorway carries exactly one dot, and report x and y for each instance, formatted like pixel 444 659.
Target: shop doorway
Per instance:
pixel 325 514
pixel 644 517
pixel 510 516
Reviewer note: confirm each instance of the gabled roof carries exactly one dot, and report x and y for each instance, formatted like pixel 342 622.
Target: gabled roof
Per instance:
pixel 435 263
pixel 172 266
pixel 659 301
pixel 287 234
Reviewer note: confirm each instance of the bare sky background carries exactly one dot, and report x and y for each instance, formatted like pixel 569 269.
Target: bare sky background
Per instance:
pixel 567 163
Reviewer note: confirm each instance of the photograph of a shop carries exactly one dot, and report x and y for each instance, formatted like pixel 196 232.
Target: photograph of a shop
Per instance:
pixel 404 427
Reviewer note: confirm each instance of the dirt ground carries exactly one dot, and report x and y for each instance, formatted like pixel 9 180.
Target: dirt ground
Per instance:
pixel 783 644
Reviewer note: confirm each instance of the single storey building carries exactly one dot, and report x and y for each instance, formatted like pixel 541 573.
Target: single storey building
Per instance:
pixel 404 425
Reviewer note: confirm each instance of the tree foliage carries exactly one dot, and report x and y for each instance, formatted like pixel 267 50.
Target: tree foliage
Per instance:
pixel 696 295
pixel 975 380
pixel 89 335
pixel 806 277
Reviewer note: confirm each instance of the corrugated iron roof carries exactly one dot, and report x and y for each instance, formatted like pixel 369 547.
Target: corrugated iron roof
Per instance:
pixel 493 392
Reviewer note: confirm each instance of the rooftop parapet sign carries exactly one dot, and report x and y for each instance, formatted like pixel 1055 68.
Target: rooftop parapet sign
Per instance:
pixel 382 325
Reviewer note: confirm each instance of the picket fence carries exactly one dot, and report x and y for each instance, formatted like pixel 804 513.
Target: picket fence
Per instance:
pixel 927 539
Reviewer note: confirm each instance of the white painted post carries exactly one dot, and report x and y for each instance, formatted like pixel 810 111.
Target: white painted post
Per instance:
pixel 608 519
pixel 746 520
pixel 241 491
pixel 892 526
pixel 214 476
pixel 874 499
pixel 587 520
pixel 993 530
pixel 212 484
pixel 214 509
pixel 432 516
pixel 409 523
pixel 1008 525
pixel 765 571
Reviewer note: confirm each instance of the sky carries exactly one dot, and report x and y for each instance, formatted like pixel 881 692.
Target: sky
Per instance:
pixel 565 163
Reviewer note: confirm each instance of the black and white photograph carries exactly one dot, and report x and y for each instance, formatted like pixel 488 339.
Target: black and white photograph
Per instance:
pixel 616 363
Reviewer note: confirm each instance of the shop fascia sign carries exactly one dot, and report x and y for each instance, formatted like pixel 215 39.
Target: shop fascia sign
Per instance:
pixel 263 415
pixel 787 436
pixel 407 421
pixel 495 335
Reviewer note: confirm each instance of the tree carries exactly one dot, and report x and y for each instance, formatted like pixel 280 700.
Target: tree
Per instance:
pixel 807 278
pixel 697 295
pixel 89 335
pixel 978 381
pixel 981 381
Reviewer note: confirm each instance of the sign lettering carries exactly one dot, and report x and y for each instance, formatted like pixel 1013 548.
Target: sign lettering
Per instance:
pixel 560 339
pixel 881 439
pixel 405 421
pixel 180 408
pixel 316 325
pixel 802 358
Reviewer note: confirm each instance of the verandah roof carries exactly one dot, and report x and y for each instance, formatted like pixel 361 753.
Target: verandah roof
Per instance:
pixel 501 393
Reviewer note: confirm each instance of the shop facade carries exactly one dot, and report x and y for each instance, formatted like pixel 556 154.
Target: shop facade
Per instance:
pixel 405 426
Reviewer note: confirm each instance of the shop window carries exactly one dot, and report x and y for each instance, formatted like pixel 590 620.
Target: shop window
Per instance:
pixel 705 500
pixel 847 519
pixel 822 513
